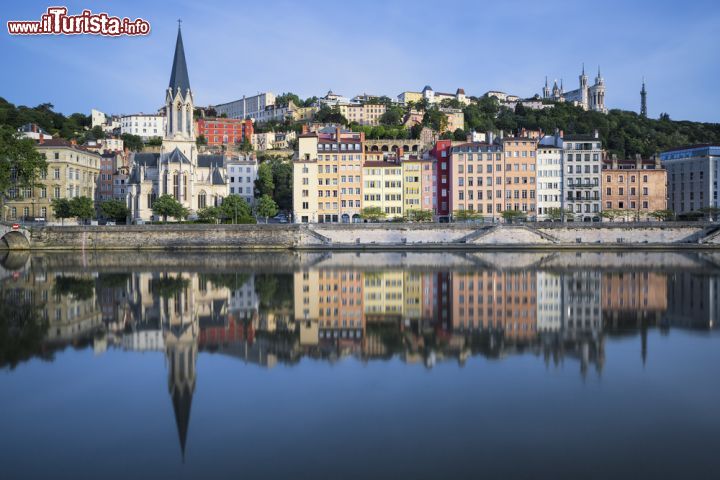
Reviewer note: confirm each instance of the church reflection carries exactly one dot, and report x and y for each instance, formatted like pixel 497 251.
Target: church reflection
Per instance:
pixel 420 316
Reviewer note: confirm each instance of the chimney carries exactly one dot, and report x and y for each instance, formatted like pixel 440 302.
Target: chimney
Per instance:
pixel 489 137
pixel 305 128
pixel 501 135
pixel 638 161
pixel 562 133
pixel 656 157
pixel 42 139
pixel 596 134
pixel 73 141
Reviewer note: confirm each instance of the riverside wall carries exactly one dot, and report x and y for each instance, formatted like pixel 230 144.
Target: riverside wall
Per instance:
pixel 368 236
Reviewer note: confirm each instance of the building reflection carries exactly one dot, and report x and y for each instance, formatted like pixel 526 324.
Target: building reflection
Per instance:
pixel 419 316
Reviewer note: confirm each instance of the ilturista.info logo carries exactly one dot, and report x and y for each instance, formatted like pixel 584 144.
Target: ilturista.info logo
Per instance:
pixel 56 21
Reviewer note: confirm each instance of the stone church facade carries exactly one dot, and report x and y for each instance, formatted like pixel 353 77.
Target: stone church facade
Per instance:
pixel 196 181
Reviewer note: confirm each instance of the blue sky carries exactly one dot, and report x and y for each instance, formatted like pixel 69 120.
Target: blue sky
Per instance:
pixel 242 47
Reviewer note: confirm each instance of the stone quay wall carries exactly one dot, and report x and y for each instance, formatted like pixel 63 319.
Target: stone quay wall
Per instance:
pixel 378 236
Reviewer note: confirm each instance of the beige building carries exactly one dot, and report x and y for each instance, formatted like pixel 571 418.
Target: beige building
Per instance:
pixel 72 171
pixel 363 113
pixel 327 177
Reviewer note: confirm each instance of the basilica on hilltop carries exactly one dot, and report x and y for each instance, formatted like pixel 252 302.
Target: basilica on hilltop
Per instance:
pixel 589 97
pixel 196 181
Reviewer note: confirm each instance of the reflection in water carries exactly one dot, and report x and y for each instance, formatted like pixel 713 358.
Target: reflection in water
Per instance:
pixel 334 306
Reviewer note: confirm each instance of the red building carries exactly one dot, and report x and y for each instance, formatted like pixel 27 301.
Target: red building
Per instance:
pixel 224 131
pixel 441 152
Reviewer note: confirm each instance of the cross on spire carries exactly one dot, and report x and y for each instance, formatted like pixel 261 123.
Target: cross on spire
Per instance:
pixel 179 23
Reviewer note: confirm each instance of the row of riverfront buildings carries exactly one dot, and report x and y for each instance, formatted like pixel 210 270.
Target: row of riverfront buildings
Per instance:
pixel 336 176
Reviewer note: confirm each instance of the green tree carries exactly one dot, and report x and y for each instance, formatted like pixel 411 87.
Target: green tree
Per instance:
pixel 664 215
pixel 330 115
pixel 98 133
pixel 710 212
pixel 115 209
pixel 266 207
pixel 512 215
pixel 209 214
pixel 393 116
pixel 459 135
pixel 82 208
pixel 466 215
pixel 611 214
pixel 245 145
pixel 282 172
pixel 264 184
pixel 372 214
pixel 20 162
pixel 417 215
pixel 201 140
pixel 555 213
pixel 285 99
pixel 61 209
pixel 166 206
pixel 235 209
pixel 435 119
pixel 132 142
pixel 154 141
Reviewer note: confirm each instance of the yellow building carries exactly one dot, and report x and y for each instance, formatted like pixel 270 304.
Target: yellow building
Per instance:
pixel 412 171
pixel 406 97
pixel 72 171
pixel 327 177
pixel 383 185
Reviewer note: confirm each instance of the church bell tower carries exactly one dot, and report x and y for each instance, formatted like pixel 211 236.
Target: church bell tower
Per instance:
pixel 179 105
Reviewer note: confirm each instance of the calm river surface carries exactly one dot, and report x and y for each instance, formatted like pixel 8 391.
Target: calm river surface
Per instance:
pixel 360 365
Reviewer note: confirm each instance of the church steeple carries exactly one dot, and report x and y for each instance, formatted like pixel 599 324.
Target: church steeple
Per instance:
pixel 643 100
pixel 179 105
pixel 179 78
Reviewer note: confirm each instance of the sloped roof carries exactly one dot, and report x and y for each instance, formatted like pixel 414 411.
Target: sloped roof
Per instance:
pixel 176 156
pixel 208 161
pixel 146 159
pixel 217 177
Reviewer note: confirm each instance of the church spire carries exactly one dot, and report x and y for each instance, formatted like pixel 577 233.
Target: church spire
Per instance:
pixel 179 78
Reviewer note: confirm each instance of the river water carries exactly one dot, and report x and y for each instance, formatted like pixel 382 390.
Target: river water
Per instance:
pixel 360 365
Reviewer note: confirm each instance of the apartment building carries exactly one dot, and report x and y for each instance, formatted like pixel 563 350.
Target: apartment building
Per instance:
pixel 693 173
pixel 142 125
pixel 637 185
pixel 225 131
pixel 246 107
pixel 418 183
pixel 327 175
pixel 382 182
pixel 477 178
pixel 362 113
pixel 582 158
pixel 441 151
pixel 72 171
pixel 518 176
pixel 241 174
pixel 549 179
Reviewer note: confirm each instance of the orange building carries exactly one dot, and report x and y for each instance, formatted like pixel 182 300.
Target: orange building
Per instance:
pixel 519 174
pixel 637 185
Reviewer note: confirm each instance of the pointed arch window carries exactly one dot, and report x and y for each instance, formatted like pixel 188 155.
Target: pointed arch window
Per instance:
pixel 176 185
pixel 202 200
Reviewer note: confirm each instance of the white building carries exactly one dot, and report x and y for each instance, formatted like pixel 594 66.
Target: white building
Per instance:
pixel 549 302
pixel 582 163
pixel 143 125
pixel 97 118
pixel 32 130
pixel 246 107
pixel 549 179
pixel 111 144
pixel 242 173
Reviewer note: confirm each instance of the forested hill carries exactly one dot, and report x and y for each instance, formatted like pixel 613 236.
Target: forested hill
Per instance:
pixel 624 133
